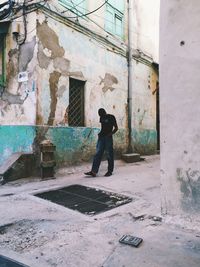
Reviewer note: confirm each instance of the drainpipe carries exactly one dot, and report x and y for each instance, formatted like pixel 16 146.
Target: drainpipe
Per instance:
pixel 130 73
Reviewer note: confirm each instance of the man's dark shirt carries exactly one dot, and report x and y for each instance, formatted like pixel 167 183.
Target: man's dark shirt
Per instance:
pixel 107 121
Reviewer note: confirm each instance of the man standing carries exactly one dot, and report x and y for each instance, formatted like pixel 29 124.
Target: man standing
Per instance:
pixel 104 143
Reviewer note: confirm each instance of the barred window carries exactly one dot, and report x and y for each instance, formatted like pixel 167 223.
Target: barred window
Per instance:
pixel 76 103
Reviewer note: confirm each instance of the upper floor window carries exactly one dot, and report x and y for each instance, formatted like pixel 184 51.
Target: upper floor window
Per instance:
pixel 3 31
pixel 2 60
pixel 114 18
pixel 76 6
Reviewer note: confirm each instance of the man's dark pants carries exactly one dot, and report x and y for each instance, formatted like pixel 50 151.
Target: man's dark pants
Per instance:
pixel 104 143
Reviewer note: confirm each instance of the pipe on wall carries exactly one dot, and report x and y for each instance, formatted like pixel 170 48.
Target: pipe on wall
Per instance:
pixel 130 73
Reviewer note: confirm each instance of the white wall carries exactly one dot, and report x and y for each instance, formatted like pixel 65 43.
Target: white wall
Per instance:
pixel 180 109
pixel 144 43
pixel 146 27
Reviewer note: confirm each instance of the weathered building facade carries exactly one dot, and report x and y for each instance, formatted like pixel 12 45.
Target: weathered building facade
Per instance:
pixel 61 61
pixel 179 92
pixel 145 98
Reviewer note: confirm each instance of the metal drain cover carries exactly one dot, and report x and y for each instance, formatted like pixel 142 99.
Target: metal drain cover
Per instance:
pixel 6 262
pixel 84 199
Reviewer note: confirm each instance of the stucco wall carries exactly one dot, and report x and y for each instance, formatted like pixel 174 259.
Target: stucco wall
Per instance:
pixel 72 54
pixel 179 92
pixel 144 40
pixel 146 27
pixel 52 53
pixel 144 132
pixel 56 50
pixel 96 21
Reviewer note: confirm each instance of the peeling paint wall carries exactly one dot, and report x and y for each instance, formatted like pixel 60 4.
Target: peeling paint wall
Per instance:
pixel 57 50
pixel 72 54
pixel 105 74
pixel 179 92
pixel 17 101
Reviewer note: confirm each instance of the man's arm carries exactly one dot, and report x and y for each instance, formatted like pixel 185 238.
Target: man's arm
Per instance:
pixel 115 127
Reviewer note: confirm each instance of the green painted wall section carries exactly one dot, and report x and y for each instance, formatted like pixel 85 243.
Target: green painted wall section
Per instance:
pixel 15 139
pixel 72 144
pixel 79 144
pixel 144 141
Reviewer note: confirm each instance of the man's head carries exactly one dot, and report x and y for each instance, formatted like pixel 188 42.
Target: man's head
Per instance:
pixel 101 112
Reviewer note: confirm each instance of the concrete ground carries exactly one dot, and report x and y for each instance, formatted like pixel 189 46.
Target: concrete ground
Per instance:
pixel 40 233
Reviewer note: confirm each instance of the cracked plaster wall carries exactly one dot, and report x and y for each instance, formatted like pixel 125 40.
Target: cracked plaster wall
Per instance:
pixel 57 53
pixel 18 99
pixel 71 54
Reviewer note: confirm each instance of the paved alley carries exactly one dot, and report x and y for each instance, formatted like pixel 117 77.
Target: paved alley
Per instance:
pixel 38 232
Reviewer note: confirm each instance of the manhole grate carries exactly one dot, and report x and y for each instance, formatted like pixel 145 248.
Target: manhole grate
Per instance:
pixel 85 199
pixel 6 262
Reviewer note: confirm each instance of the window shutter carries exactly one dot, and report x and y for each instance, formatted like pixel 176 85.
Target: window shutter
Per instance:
pixel 118 25
pixel 109 23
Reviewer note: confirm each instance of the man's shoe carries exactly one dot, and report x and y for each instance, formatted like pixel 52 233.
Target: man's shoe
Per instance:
pixel 91 173
pixel 108 174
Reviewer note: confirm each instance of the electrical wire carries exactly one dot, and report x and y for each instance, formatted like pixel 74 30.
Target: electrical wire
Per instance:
pixel 83 15
pixel 31 7
pixel 5 13
pixel 100 39
pixel 75 6
pixel 36 6
pixel 40 6
pixel 21 42
pixel 68 9
pixel 103 18
pixel 112 35
pixel 3 4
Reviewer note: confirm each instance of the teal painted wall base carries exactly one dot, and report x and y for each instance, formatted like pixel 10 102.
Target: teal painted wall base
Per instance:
pixel 15 139
pixel 144 141
pixel 73 145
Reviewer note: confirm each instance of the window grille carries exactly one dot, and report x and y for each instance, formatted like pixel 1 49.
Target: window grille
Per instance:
pixel 76 103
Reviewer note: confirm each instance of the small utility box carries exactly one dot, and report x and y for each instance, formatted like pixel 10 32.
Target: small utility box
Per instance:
pixel 48 162
pixel 131 157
